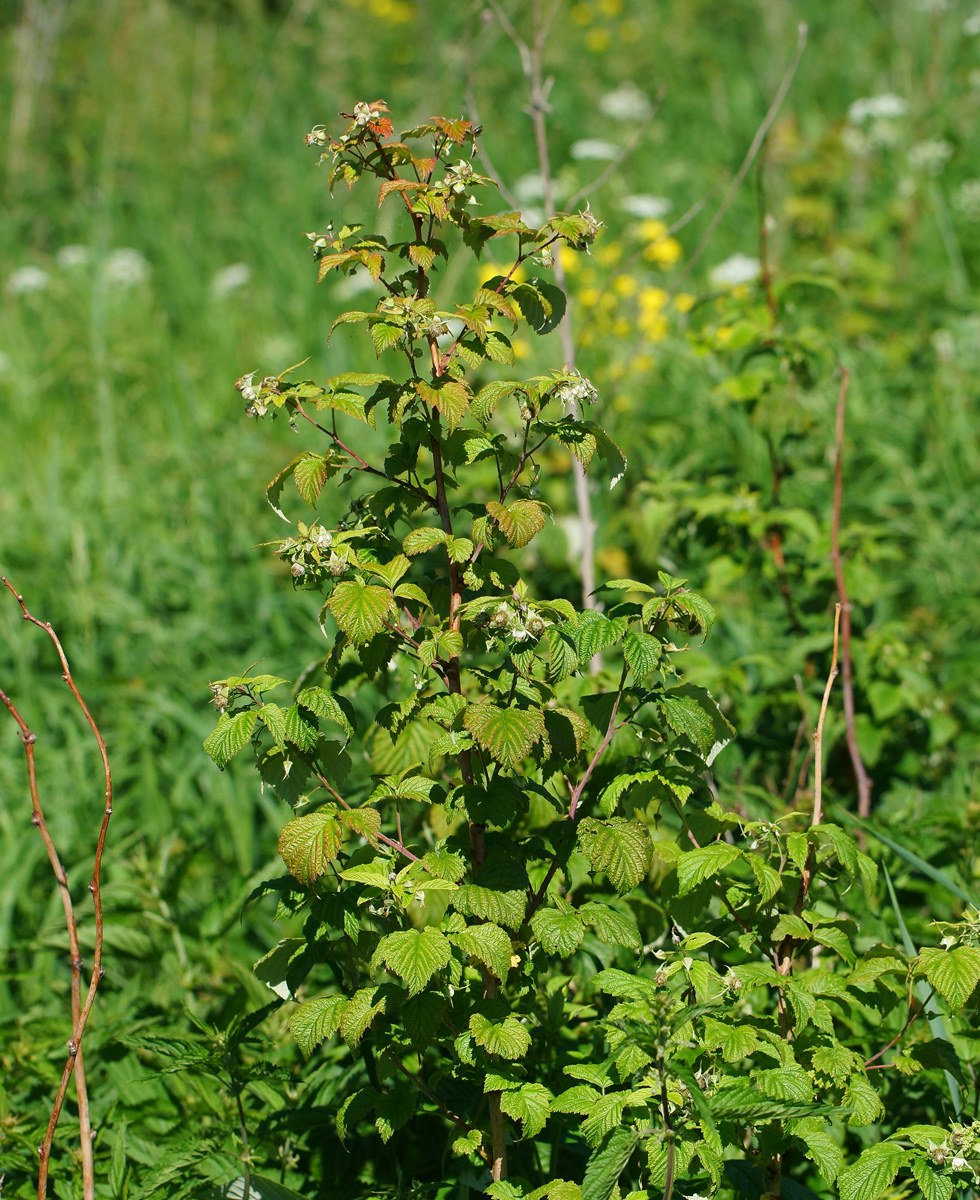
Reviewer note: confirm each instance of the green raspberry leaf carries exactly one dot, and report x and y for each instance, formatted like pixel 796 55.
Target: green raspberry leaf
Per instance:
pixel 507 734
pixel 414 955
pixel 308 844
pixel 953 973
pixel 619 848
pixel 505 1037
pixel 315 1021
pixel 360 609
pixel 230 736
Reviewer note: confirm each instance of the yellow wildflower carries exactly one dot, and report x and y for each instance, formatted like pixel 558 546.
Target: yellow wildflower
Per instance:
pixel 652 300
pixel 652 231
pixel 609 253
pixel 654 325
pixel 611 8
pixel 582 14
pixel 598 41
pixel 613 559
pixel 664 253
pixel 642 362
pixel 621 328
pixel 569 258
pixel 625 285
pixel 684 302
pixel 521 348
pixel 588 296
pixel 723 333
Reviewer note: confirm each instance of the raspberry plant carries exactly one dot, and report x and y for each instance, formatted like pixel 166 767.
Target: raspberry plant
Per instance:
pixel 536 926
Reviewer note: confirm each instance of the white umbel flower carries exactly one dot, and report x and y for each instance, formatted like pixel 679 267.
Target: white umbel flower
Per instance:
pixel 27 280
pixel 626 103
pixel 230 279
pixel 886 105
pixel 69 257
pixel 647 208
pixel 594 148
pixel 739 268
pixel 126 268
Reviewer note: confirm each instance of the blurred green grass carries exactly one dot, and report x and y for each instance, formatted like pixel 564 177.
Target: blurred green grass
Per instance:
pixel 131 487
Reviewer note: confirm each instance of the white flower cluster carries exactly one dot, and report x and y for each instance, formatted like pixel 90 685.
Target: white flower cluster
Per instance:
pixel 647 208
pixel 578 391
pixel 594 148
pixel 967 199
pixel 459 176
pixel 27 280
pixel 627 103
pixel 506 620
pixel 362 114
pixel 739 268
pixel 887 106
pixel 230 280
pixel 872 123
pixel 929 157
pixel 126 268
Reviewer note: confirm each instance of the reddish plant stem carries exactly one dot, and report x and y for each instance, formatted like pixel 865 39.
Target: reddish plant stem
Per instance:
pixel 786 949
pixel 80 1009
pixel 860 774
pixel 913 1016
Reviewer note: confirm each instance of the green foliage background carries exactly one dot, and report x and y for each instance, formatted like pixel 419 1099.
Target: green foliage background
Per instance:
pixel 131 487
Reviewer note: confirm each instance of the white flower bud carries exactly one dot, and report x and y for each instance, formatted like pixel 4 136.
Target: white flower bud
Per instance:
pixel 297 570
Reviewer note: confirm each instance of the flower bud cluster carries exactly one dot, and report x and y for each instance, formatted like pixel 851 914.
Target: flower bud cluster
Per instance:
pixel 459 177
pixel 311 555
pixel 517 621
pixel 578 391
pixel 259 398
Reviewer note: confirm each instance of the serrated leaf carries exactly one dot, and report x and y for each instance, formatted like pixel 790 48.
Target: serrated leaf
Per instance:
pixel 507 734
pixel 695 866
pixel 506 1037
pixel 309 475
pixel 611 926
pixel 519 522
pixel 365 822
pixel 488 944
pixel 530 1104
pixel 642 652
pixel 562 655
pixel 360 609
pixel 358 1014
pixel 467 1143
pixel 325 704
pixel 300 730
pixel 607 1163
pixel 274 719
pixel 315 1021
pixel 450 397
pixel 485 402
pixel 873 1173
pixel 414 956
pixel 559 932
pixel 734 1041
pixel 766 877
pixel 418 541
pixel 619 848
pixel 309 843
pixel 863 1102
pixel 953 973
pixel 934 1186
pixel 687 717
pixel 230 736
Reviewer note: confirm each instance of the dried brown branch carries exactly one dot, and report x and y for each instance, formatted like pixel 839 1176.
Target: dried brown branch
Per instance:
pixel 860 774
pixel 80 1008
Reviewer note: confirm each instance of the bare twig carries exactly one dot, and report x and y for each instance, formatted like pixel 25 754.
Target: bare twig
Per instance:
pixel 539 89
pixel 818 735
pixel 753 150
pixel 604 176
pixel 80 1009
pixel 913 1015
pixel 860 774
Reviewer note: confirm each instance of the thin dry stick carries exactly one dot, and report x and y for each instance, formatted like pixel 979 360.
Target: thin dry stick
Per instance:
pixel 860 774
pixel 539 88
pixel 80 1009
pixel 753 150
